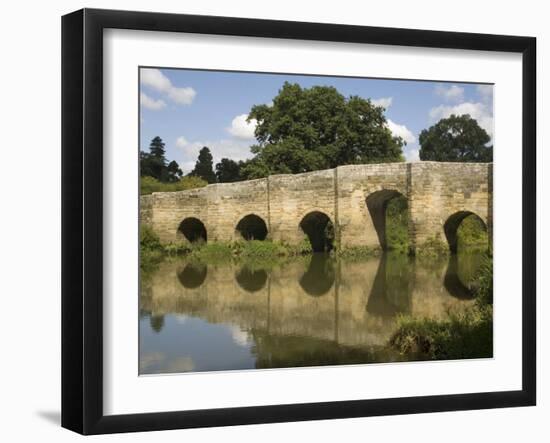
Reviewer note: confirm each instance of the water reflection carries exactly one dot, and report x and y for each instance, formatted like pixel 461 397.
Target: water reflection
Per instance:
pixel 156 322
pixel 320 274
pixel 251 280
pixel 393 286
pixel 310 311
pixel 192 275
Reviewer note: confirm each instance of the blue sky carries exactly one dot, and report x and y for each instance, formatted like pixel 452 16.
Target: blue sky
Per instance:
pixel 190 109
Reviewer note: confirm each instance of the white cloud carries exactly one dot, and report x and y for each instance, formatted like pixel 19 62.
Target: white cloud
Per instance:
pixel 485 92
pixel 234 149
pixel 478 111
pixel 150 103
pixel 240 128
pixel 181 142
pixel 155 79
pixel 450 93
pixel 183 96
pixel 239 336
pixel 385 102
pixel 401 131
pixel 412 154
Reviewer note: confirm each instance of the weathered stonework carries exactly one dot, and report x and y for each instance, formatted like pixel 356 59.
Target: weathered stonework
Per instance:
pixel 354 197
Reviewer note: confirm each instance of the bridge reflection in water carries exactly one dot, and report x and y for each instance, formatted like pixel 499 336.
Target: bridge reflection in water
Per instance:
pixel 310 311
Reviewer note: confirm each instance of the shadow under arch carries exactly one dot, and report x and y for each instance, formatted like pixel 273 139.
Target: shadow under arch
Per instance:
pixel 452 224
pixel 320 231
pixel 377 203
pixel 251 280
pixel 319 276
pixel 192 275
pixel 193 230
pixel 393 285
pixel 252 227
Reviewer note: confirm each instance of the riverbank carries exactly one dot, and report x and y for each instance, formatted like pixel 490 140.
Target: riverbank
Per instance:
pixel 153 251
pixel 468 334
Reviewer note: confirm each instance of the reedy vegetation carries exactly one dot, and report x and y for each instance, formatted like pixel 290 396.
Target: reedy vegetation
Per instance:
pixel 467 334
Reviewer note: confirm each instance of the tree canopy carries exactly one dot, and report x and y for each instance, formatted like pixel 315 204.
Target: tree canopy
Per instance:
pixel 203 166
pixel 228 170
pixel 154 163
pixel 318 128
pixel 458 138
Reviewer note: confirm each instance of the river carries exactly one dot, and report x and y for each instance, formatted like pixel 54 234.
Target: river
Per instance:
pixel 308 311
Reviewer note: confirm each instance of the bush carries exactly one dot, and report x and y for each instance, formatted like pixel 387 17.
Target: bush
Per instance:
pixel 148 185
pixel 484 283
pixel 151 252
pixel 433 247
pixel 397 229
pixel 211 252
pixel 260 249
pixel 148 240
pixel 472 233
pixel 465 335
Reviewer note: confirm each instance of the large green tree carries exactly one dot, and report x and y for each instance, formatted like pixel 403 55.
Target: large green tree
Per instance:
pixel 203 166
pixel 317 128
pixel 458 138
pixel 228 170
pixel 154 163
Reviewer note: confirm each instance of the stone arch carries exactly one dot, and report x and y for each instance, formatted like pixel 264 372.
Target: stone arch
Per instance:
pixel 192 275
pixel 377 203
pixel 452 224
pixel 319 229
pixel 193 230
pixel 252 227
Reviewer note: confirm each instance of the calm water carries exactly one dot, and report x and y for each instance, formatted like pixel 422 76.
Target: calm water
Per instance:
pixel 306 312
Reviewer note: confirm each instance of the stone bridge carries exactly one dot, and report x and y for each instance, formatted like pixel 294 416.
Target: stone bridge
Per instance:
pixel 291 207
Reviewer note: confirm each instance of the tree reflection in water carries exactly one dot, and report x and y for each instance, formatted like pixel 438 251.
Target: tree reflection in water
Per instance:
pixel 393 285
pixel 318 310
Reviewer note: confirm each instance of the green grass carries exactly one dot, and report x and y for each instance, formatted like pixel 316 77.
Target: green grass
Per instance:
pixel 152 250
pixel 148 185
pixel 468 334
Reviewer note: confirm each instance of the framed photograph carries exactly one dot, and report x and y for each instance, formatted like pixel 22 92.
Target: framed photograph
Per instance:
pixel 269 221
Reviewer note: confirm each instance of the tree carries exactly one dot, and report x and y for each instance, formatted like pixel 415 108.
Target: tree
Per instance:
pixel 318 128
pixel 173 172
pixel 154 163
pixel 458 138
pixel 156 147
pixel 228 170
pixel 203 166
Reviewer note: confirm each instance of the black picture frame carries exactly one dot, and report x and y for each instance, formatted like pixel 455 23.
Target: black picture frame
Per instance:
pixel 82 219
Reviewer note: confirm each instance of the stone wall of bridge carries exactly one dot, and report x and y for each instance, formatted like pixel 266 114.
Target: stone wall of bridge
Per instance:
pixel 354 197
